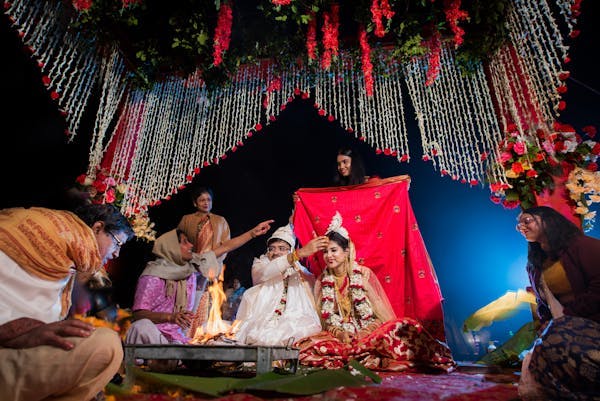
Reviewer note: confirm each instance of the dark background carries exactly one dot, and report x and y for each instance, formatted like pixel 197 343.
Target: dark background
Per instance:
pixel 474 247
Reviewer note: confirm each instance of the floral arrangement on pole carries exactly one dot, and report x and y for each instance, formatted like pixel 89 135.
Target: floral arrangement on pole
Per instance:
pixel 103 188
pixel 533 162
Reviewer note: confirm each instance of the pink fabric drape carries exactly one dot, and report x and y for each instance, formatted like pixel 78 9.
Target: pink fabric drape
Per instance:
pixel 379 217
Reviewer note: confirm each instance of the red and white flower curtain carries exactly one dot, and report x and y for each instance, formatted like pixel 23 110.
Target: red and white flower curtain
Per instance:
pixel 156 140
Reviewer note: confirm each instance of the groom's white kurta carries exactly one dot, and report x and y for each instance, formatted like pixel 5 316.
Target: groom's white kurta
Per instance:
pixel 260 325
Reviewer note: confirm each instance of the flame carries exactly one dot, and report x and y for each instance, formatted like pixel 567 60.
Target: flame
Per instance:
pixel 215 327
pixel 215 323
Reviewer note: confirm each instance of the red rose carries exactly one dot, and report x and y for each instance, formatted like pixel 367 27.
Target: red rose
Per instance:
pixel 559 146
pixel 592 166
pixel 110 196
pixel 82 5
pixel 510 204
pixel 81 179
pixel 531 173
pixel 100 186
pixel 590 130
pixel 496 187
pixel 517 168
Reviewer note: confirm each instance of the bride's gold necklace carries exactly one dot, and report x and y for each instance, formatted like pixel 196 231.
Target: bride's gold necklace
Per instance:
pixel 343 301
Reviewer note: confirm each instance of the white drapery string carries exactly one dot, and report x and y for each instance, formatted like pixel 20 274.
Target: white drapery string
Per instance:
pixel 68 61
pixel 456 118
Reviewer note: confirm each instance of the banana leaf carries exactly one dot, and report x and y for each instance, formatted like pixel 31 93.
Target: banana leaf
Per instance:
pixel 507 355
pixel 300 383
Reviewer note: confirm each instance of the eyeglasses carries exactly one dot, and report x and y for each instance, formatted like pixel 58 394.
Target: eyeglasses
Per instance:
pixel 278 248
pixel 117 241
pixel 525 221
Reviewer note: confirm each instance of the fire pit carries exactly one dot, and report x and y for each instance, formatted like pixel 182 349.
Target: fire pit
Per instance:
pixel 262 355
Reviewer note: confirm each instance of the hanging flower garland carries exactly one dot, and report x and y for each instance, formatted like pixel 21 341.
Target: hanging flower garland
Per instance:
pixel 311 38
pixel 380 9
pixel 434 44
pixel 222 33
pixel 331 26
pixel 454 15
pixel 367 65
pixel 361 315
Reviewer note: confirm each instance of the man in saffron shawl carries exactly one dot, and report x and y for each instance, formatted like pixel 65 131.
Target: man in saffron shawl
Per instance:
pixel 41 251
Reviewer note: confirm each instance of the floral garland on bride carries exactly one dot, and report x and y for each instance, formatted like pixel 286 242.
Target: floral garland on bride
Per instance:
pixel 361 306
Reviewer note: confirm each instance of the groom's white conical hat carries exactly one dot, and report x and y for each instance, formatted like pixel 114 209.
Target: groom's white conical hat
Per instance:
pixel 284 233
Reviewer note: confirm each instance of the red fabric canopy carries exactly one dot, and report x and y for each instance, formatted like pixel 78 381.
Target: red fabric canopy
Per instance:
pixel 379 217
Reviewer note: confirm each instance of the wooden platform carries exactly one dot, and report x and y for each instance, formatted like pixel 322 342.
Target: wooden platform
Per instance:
pixel 263 356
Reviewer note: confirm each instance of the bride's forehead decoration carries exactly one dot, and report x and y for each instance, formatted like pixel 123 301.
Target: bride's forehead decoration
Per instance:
pixel 336 226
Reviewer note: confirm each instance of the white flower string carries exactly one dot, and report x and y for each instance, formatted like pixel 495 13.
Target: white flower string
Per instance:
pixel 69 62
pixel 541 50
pixel 455 116
pixel 113 87
pixel 565 7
